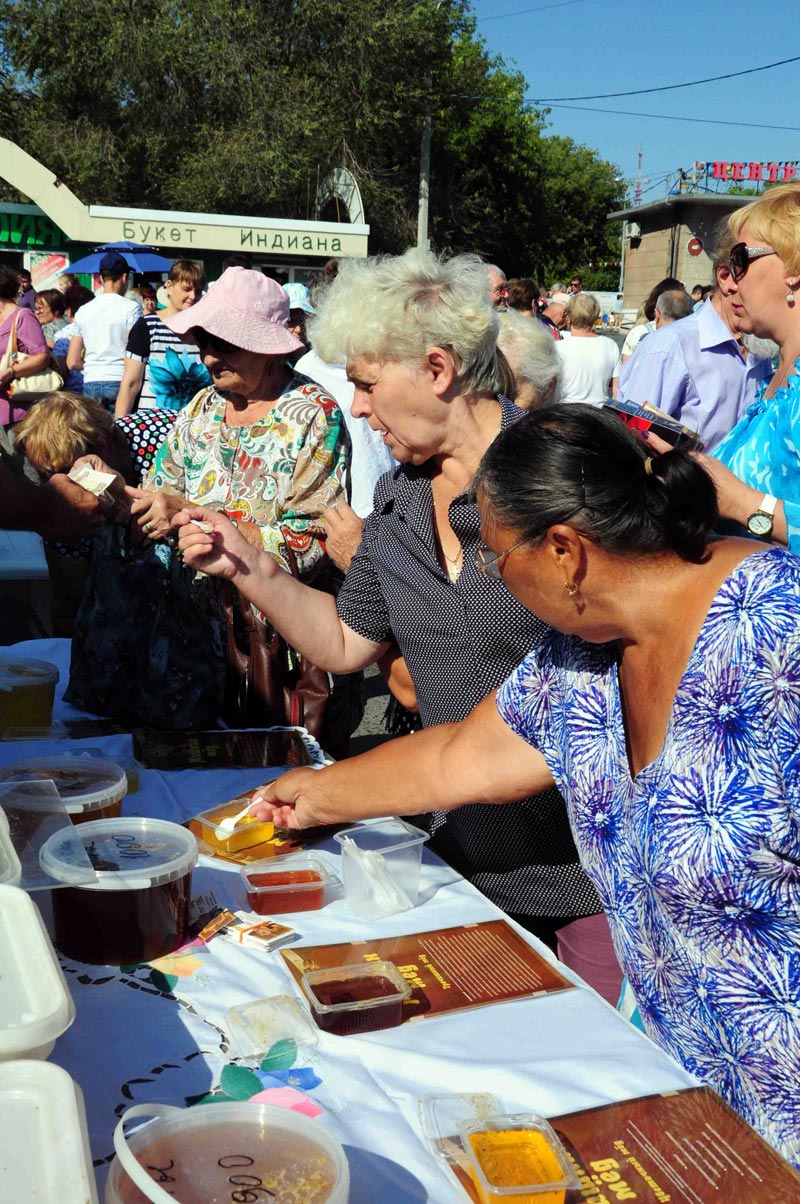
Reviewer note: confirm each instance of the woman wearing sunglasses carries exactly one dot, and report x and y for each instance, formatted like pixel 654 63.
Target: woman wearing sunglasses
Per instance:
pixel 663 703
pixel 419 337
pixel 265 446
pixel 261 445
pixel 761 492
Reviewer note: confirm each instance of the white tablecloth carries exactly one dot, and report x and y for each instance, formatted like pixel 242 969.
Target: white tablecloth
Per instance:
pixel 133 1043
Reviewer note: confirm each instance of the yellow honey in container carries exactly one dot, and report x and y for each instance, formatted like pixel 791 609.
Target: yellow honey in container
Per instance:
pixel 517 1158
pixel 27 690
pixel 248 832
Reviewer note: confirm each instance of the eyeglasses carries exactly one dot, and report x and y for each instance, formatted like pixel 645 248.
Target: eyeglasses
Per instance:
pixel 210 342
pixel 741 255
pixel 488 563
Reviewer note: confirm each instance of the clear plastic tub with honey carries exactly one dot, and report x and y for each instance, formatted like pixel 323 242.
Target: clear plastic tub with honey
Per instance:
pixel 508 1147
pixel 27 691
pixel 516 1157
pixel 248 832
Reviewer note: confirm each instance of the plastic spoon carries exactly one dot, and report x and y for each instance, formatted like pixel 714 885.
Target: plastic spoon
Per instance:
pixel 388 895
pixel 226 825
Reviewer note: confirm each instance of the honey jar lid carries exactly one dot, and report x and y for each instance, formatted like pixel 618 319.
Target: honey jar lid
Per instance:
pixel 125 854
pixel 84 783
pixel 18 671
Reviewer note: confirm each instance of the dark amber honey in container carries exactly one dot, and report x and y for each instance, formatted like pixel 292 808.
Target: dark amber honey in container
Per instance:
pixel 136 909
pixel 293 882
pixel 359 998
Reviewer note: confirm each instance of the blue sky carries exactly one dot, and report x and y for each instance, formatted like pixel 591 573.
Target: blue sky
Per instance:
pixel 584 47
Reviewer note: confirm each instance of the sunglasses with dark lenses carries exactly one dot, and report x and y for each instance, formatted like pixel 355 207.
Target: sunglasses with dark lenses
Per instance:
pixel 741 256
pixel 211 342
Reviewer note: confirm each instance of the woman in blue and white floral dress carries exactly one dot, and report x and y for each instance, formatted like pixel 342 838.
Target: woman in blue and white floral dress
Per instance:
pixel 665 705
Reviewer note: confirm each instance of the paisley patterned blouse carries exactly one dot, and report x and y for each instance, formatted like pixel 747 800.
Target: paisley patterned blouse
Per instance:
pixel 763 449
pixel 281 472
pixel 697 858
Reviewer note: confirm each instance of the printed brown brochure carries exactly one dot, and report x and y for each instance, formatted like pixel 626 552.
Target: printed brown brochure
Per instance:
pixel 450 969
pixel 684 1147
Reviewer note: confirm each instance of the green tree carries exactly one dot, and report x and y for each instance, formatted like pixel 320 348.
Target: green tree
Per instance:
pixel 242 106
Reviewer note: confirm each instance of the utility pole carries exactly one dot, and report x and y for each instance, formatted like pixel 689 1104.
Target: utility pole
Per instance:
pixel 424 177
pixel 637 192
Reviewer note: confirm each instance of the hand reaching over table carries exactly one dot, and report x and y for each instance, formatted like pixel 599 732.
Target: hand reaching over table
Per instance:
pixel 294 800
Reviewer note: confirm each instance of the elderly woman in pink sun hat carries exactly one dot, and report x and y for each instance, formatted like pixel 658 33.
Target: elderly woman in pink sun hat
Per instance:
pixel 262 444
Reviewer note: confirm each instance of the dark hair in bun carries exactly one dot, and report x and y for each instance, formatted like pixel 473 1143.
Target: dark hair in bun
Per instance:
pixel 581 465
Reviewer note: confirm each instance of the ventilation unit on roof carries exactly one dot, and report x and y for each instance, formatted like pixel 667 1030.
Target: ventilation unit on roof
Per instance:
pixel 634 230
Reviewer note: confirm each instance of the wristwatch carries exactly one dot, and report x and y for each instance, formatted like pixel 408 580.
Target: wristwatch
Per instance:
pixel 760 523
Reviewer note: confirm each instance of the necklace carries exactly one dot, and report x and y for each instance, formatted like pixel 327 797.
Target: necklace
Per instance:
pixel 454 564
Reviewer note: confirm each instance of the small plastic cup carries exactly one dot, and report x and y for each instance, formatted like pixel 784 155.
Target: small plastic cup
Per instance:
pixel 27 690
pixel 294 882
pixel 380 867
pixel 359 998
pixel 90 787
pixel 261 1024
pixel 516 1158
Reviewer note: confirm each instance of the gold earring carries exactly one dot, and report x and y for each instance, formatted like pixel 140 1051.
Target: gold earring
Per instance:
pixel 571 587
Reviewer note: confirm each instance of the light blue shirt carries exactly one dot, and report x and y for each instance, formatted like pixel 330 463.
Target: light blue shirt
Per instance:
pixel 693 369
pixel 764 450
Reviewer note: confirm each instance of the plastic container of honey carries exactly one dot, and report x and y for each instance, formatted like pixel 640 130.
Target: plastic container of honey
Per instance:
pixel 90 787
pixel 516 1158
pixel 359 998
pixel 35 1004
pixel 247 832
pixel 44 1146
pixel 136 908
pixel 228 1151
pixel 294 882
pixel 27 690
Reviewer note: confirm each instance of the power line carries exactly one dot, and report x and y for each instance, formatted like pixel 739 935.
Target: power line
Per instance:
pixel 524 11
pixel 711 79
pixel 746 125
pixel 525 102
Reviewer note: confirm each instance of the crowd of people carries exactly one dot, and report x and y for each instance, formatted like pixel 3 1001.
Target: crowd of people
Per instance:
pixel 597 632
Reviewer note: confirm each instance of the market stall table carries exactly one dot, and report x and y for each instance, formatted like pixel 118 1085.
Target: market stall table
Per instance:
pixel 159 1033
pixel 24 584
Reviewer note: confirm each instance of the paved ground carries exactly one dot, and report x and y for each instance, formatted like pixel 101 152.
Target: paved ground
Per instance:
pixel 371 730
